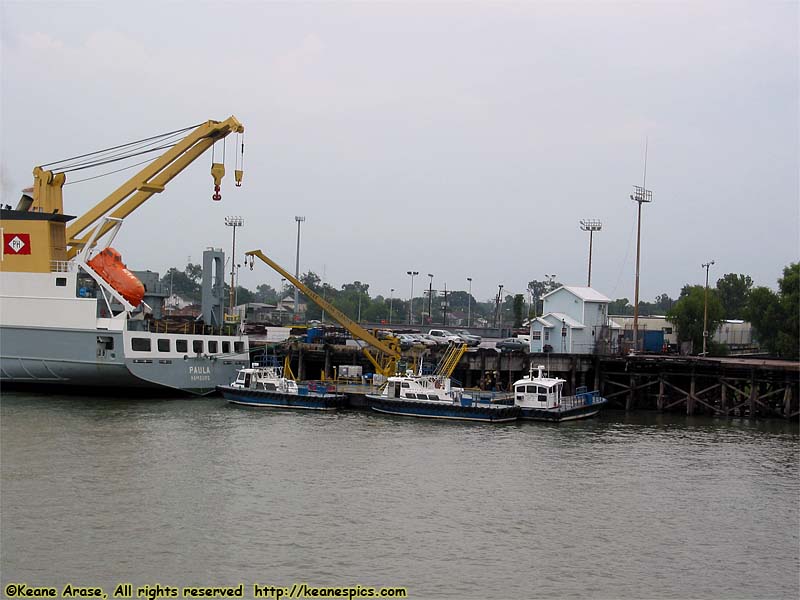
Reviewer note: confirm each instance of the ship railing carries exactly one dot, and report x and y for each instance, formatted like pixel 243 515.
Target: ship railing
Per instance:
pixel 62 266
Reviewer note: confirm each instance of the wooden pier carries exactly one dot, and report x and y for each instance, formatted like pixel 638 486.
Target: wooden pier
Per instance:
pixel 731 387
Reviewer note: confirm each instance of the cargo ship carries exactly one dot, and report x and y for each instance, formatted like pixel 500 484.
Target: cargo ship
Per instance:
pixel 71 314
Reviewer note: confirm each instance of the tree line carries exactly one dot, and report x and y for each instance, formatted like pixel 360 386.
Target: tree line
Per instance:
pixel 774 315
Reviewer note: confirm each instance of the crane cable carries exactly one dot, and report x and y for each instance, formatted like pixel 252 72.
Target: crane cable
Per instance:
pixel 148 139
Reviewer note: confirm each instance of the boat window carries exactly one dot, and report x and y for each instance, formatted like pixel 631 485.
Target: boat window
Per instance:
pixel 140 344
pixel 61 281
pixel 238 347
pixel 181 346
pixel 542 397
pixel 213 346
pixel 197 346
pixel 226 347
pixel 531 389
pixel 433 397
pixel 405 384
pixel 163 345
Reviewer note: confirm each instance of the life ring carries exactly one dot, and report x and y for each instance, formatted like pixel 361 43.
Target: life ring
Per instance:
pixel 438 384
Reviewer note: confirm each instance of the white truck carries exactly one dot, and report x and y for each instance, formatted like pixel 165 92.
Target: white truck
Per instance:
pixel 445 337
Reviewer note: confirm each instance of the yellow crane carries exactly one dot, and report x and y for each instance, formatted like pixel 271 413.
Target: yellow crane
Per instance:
pixel 152 179
pixel 385 362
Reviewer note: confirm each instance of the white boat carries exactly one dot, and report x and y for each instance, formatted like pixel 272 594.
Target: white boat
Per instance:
pixel 434 397
pixel 266 386
pixel 540 399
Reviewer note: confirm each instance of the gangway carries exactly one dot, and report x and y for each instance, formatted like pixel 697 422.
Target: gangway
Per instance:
pixel 449 361
pixel 385 362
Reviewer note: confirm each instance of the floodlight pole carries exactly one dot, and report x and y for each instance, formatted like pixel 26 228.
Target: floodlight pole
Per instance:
pixel 233 222
pixel 297 267
pixel 590 225
pixel 640 195
pixel 705 308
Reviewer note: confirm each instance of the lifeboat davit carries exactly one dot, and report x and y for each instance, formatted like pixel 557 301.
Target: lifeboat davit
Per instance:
pixel 108 264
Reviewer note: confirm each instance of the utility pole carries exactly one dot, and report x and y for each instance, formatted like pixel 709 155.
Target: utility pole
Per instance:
pixel 232 222
pixel 590 225
pixel 411 303
pixel 391 300
pixel 430 298
pixel 706 266
pixel 444 307
pixel 297 267
pixel 469 303
pixel 497 302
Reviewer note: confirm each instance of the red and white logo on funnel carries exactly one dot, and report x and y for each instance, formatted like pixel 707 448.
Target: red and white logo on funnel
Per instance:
pixel 17 243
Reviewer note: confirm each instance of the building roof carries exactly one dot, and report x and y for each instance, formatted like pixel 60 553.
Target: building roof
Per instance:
pixel 572 323
pixel 586 294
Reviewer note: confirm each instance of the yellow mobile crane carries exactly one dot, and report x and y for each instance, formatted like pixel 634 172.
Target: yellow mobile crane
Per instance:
pixel 152 179
pixel 385 364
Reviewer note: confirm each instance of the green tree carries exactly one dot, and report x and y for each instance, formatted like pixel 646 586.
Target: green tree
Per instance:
pixel 620 306
pixel 789 336
pixel 519 308
pixel 540 288
pixel 733 291
pixel 775 317
pixel 687 315
pixel 266 294
pixel 182 284
pixel 765 314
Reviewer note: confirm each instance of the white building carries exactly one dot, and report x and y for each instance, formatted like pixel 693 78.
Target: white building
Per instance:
pixel 574 319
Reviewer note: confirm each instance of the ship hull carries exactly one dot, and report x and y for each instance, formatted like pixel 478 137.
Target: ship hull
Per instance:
pixel 95 358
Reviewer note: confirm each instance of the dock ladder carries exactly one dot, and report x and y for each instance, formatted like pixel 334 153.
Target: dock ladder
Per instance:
pixel 450 359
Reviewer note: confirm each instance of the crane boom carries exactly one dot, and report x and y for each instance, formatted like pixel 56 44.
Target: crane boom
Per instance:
pixel 390 350
pixel 152 179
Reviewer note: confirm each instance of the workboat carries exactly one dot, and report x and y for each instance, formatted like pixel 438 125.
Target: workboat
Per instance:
pixel 71 314
pixel 434 397
pixel 539 398
pixel 266 387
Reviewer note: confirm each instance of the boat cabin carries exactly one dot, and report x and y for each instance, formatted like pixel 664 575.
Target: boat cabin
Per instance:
pixel 264 378
pixel 538 391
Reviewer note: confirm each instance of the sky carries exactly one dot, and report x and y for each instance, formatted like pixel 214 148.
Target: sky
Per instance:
pixel 461 139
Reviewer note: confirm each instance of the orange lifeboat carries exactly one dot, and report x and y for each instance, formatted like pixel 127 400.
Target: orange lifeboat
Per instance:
pixel 108 264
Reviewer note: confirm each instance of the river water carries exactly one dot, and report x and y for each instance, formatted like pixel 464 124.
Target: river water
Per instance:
pixel 99 491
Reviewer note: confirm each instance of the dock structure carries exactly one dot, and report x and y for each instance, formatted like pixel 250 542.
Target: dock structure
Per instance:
pixel 725 386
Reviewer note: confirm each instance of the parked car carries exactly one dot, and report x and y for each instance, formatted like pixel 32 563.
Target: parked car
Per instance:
pixel 445 337
pixel 472 340
pixel 423 339
pixel 510 344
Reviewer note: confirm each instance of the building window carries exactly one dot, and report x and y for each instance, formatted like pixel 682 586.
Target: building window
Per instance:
pixel 537 336
pixel 140 344
pixel 213 346
pixel 61 281
pixel 163 345
pixel 181 346
pixel 547 336
pixel 667 330
pixel 197 346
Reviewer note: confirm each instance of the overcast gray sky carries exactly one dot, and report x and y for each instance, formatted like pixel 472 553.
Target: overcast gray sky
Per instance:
pixel 459 139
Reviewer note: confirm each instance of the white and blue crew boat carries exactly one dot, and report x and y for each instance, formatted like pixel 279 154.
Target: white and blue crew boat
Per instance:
pixel 433 397
pixel 266 387
pixel 539 398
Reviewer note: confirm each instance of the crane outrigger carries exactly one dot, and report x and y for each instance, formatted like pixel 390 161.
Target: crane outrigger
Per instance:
pixel 385 362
